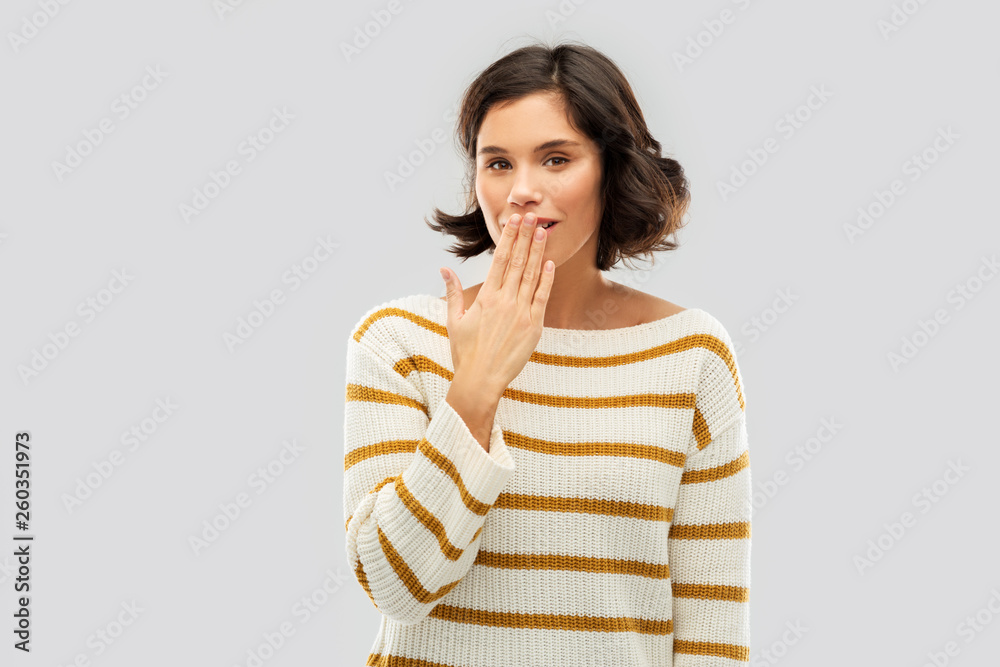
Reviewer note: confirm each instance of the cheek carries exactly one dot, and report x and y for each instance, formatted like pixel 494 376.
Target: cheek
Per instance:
pixel 491 207
pixel 578 192
pixel 487 197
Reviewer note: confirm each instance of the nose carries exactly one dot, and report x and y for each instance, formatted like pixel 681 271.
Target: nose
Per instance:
pixel 525 189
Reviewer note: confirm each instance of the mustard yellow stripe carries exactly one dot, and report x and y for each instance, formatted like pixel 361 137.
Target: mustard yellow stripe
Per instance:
pixel 587 506
pixel 429 521
pixel 357 392
pixel 519 441
pixel 710 343
pixel 713 344
pixel 359 574
pixel 683 400
pixel 505 619
pixel 419 362
pixel 731 651
pixel 520 501
pixel 383 483
pixel 700 428
pixel 673 347
pixel 423 516
pixel 384 660
pixel 574 563
pixel 623 449
pixel 361 393
pixel 379 449
pixel 398 312
pixel 506 500
pixel 423 364
pixel 549 503
pixel 627 401
pixel 710 531
pixel 407 576
pixel 718 472
pixel 444 463
pixel 710 592
pixel 420 512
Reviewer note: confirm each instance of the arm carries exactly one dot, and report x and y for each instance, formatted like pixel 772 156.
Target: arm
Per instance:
pixel 476 405
pixel 417 487
pixel 709 543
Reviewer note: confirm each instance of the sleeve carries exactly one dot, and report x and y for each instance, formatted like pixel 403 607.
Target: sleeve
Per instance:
pixel 709 542
pixel 417 487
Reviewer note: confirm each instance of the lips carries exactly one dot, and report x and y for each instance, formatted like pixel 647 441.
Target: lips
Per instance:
pixel 547 223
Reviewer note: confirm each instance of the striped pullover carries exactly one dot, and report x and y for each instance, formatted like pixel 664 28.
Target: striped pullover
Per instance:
pixel 608 525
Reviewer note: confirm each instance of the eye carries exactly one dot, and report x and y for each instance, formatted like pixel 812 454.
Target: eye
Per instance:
pixel 564 161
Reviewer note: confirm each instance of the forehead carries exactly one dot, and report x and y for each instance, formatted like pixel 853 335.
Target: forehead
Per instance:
pixel 525 122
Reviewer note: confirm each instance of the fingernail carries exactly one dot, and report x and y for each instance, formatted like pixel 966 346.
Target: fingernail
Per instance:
pixel 444 274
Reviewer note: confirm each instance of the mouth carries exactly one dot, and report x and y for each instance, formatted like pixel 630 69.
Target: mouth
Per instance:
pixel 544 223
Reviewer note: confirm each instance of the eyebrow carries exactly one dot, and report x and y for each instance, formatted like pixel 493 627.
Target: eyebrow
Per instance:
pixel 497 150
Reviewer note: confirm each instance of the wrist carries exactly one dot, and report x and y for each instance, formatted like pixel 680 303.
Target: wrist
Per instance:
pixel 477 406
pixel 475 388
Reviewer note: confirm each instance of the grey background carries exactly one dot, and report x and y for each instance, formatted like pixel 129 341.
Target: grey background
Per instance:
pixel 825 357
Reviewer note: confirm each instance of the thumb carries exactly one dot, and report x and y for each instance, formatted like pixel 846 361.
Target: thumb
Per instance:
pixel 453 292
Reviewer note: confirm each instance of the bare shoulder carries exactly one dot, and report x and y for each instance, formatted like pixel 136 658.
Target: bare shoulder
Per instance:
pixel 634 306
pixel 641 308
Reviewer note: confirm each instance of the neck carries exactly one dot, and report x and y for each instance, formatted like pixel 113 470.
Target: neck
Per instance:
pixel 582 297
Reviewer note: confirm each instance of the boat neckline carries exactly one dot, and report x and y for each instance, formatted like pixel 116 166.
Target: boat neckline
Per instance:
pixel 635 328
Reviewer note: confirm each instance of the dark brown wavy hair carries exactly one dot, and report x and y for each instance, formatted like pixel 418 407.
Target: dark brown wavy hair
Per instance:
pixel 645 194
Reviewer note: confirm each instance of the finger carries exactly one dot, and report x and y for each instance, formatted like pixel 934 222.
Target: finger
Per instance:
pixel 501 255
pixel 542 293
pixel 533 267
pixel 519 256
pixel 453 293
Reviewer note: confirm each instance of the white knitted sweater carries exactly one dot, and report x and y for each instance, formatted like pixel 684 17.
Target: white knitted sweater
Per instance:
pixel 608 525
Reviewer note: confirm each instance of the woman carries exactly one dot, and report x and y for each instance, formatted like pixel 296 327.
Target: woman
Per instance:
pixel 523 487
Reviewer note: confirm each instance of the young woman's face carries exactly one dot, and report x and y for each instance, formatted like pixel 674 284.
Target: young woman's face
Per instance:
pixel 560 182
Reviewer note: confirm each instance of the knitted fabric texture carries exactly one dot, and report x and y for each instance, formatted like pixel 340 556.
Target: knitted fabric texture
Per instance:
pixel 608 525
